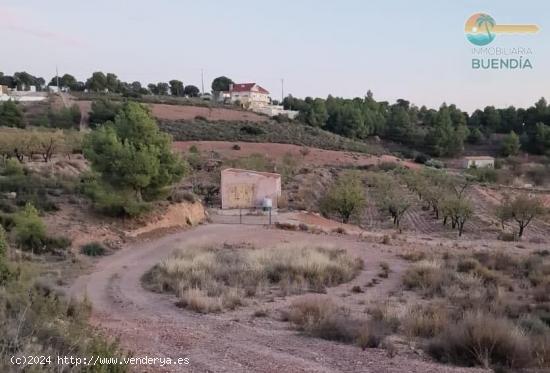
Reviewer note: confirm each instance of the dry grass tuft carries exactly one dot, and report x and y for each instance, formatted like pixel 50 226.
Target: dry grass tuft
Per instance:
pixel 211 280
pixel 413 255
pixel 482 339
pixel 318 316
pixel 425 320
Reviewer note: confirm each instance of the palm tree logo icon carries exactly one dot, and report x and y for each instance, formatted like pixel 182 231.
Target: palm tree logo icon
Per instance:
pixel 479 29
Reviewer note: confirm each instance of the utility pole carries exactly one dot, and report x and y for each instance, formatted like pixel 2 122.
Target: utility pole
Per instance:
pixel 57 78
pixel 202 81
pixel 282 90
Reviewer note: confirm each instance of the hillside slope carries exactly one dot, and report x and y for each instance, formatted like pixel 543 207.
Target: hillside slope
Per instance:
pixel 270 131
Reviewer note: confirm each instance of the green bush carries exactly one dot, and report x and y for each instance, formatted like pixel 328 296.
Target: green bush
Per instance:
pixel 11 115
pixel 421 158
pixel 66 118
pixel 103 110
pixel 59 242
pixel 116 203
pixel 40 320
pixel 251 130
pixel 5 272
pixel 483 175
pixel 434 163
pixel 30 231
pixel 13 167
pixel 93 249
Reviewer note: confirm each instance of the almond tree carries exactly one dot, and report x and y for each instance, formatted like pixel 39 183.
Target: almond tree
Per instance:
pixel 522 209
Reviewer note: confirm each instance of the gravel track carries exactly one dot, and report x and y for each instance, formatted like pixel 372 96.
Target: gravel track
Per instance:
pixel 149 324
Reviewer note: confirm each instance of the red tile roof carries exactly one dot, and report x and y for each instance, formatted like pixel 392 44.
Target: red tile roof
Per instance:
pixel 247 87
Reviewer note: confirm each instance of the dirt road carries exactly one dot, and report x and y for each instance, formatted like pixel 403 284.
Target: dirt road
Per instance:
pixel 149 324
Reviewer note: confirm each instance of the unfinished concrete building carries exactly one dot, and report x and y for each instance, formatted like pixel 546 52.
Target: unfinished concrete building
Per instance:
pixel 245 189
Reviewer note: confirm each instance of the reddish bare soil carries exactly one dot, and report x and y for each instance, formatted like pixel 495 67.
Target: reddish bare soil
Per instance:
pixel 187 112
pixel 181 112
pixel 312 156
pixel 150 324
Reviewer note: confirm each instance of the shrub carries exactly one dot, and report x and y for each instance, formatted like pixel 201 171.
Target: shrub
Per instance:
pixel 112 202
pixel 5 271
pixel 413 255
pixel 507 236
pixel 228 276
pixel 385 270
pixel 40 320
pixel 482 339
pixel 13 167
pixel 371 334
pixel 58 242
pixel 103 110
pixel 356 289
pixel 427 276
pixel 286 226
pixel 11 115
pixel 434 163
pixel 252 130
pixel 183 196
pixel 483 175
pixel 425 320
pixel 93 249
pixel 236 147
pixel 421 158
pixel 318 316
pixel 30 231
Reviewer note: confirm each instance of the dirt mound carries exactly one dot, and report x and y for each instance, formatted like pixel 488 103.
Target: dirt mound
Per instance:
pixel 179 215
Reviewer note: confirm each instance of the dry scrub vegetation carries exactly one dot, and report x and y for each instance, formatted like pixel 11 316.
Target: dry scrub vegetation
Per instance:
pixel 489 309
pixel 215 279
pixel 318 316
pixel 486 309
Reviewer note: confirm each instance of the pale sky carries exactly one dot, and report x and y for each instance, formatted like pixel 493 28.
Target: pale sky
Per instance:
pixel 397 48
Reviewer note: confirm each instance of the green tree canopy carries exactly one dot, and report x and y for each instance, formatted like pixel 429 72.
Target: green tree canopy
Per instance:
pixel 176 87
pixel 65 81
pixel 221 83
pixel 191 91
pixel 510 145
pixel 97 82
pixel 11 115
pixel 346 197
pixel 131 153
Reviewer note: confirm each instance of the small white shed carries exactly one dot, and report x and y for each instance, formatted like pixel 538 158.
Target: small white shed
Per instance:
pixel 478 162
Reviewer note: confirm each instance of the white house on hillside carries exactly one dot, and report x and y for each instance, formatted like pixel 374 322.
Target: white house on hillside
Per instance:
pixel 479 162
pixel 249 94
